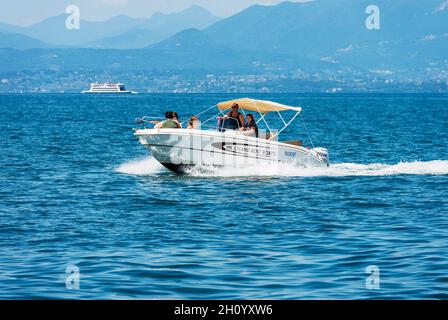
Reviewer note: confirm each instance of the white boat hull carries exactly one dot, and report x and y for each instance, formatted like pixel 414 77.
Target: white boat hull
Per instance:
pixel 181 149
pixel 107 92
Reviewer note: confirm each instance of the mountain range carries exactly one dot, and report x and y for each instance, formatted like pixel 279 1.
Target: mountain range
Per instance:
pixel 19 41
pixel 315 36
pixel 120 32
pixel 412 35
pixel 411 32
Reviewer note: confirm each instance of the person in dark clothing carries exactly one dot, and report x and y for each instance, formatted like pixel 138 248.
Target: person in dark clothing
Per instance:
pixel 234 113
pixel 176 118
pixel 250 128
pixel 169 122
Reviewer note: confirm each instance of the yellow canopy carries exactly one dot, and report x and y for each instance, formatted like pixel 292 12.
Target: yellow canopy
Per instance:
pixel 261 106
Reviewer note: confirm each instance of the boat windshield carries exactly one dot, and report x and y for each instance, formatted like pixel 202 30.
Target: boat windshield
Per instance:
pixel 227 123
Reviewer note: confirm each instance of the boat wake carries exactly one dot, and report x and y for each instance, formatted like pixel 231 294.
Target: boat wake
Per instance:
pixel 144 167
pixel 150 166
pixel 437 167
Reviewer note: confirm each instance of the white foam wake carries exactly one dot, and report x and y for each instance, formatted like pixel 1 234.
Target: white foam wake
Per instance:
pixel 437 167
pixel 150 166
pixel 143 167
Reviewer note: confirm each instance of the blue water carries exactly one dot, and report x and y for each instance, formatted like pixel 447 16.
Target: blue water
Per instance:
pixel 77 188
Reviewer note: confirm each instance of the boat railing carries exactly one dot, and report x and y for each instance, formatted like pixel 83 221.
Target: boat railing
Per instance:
pixel 149 122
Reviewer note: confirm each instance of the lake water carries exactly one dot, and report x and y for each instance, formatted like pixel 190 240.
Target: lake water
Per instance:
pixel 76 188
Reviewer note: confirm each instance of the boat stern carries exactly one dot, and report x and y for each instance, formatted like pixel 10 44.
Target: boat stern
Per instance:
pixel 323 155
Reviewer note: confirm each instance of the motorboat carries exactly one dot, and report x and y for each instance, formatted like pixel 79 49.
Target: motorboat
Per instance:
pixel 225 144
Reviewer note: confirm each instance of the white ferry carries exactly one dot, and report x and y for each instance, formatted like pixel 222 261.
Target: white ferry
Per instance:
pixel 107 88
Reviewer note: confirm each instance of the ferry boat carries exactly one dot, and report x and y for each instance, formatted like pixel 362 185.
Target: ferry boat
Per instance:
pixel 108 88
pixel 226 145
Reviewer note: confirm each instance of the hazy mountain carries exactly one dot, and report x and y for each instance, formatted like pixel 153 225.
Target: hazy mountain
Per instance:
pixel 112 60
pixel 332 30
pixel 121 32
pixel 158 27
pixel 319 37
pixel 192 17
pixel 189 39
pixel 21 42
pixel 133 39
pixel 54 31
pixel 190 49
pixel 8 28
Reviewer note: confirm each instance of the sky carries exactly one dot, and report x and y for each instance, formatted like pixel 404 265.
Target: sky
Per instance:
pixel 27 12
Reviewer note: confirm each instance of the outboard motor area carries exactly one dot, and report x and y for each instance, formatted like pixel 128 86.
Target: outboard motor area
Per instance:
pixel 323 154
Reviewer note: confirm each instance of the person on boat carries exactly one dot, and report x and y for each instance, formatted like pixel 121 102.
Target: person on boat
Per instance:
pixel 250 128
pixel 176 118
pixel 234 113
pixel 169 122
pixel 194 123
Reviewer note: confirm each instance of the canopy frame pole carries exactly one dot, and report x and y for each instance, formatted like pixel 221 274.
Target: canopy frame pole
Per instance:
pixel 212 107
pixel 270 130
pixel 264 120
pixel 267 125
pixel 202 112
pixel 290 121
pixel 281 117
pixel 212 117
pixel 261 118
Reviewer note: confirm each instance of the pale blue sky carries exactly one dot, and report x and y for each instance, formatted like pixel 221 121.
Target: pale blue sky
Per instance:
pixel 26 12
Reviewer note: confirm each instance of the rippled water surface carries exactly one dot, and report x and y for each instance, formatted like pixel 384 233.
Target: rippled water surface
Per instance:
pixel 77 188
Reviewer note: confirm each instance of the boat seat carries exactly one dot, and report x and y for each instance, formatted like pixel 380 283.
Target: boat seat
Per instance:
pixel 297 143
pixel 267 136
